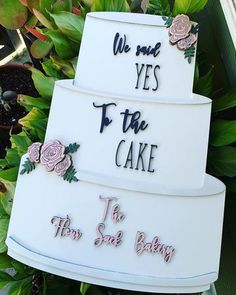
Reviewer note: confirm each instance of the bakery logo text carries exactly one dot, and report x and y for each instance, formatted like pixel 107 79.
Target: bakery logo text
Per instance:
pixel 112 212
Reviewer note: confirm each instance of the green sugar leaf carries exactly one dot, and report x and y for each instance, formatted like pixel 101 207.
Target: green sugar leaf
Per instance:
pixel 72 148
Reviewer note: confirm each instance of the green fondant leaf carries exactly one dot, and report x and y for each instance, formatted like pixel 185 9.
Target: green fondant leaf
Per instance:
pixel 28 167
pixel 159 7
pixel 70 175
pixel 72 148
pixel 189 53
pixel 195 29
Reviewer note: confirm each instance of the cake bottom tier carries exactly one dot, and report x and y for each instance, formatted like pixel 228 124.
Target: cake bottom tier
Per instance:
pixel 116 237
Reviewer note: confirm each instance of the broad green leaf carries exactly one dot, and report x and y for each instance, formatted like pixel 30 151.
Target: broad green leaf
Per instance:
pixel 110 5
pixel 20 142
pixel 69 24
pixel 135 5
pixel 43 84
pixel 20 287
pixel 74 62
pixel 159 7
pixel 59 5
pixel 12 158
pixel 6 199
pixel 84 288
pixel 64 47
pixel 46 6
pixel 36 122
pixel 223 132
pixel 3 163
pixel 51 70
pixel 5 277
pixel 4 222
pixel 222 161
pixel 33 4
pixel 9 174
pixel 20 268
pixel 5 261
pixel 188 6
pixel 64 66
pixel 13 14
pixel 225 102
pixel 88 2
pixel 44 21
pixel 2 191
pixel 31 22
pixel 39 49
pixel 204 86
pixel 28 102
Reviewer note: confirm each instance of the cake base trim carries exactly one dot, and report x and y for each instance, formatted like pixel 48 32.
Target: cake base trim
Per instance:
pixel 113 279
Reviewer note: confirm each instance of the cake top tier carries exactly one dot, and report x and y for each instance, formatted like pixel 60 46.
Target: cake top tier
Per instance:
pixel 137 55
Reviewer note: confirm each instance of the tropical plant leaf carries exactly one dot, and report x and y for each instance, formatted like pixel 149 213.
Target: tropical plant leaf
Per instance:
pixel 18 287
pixel 28 102
pixel 5 277
pixel 69 24
pixel 40 49
pixel 12 158
pixel 4 222
pixel 59 5
pixel 110 5
pixel 159 7
pixel 84 288
pixel 72 148
pixel 31 22
pixel 6 198
pixel 223 132
pixel 188 6
pixel 225 102
pixel 9 174
pixel 44 21
pixel 64 66
pixel 35 122
pixel 5 261
pixel 222 161
pixel 205 84
pixel 135 6
pixel 33 4
pixel 70 175
pixel 43 84
pixel 13 14
pixel 46 6
pixel 20 142
pixel 51 70
pixel 64 47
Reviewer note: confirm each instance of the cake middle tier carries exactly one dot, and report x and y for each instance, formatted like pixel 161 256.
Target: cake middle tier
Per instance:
pixel 133 141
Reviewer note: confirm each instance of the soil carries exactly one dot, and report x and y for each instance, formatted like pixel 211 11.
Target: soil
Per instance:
pixel 19 80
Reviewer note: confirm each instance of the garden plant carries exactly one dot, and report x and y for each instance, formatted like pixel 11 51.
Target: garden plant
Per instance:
pixel 55 28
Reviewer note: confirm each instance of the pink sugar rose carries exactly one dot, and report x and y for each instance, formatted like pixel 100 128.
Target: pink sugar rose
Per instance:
pixel 187 42
pixel 180 28
pixel 63 166
pixel 34 152
pixel 52 153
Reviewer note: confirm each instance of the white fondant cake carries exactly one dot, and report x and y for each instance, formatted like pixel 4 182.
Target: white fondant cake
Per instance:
pixel 144 215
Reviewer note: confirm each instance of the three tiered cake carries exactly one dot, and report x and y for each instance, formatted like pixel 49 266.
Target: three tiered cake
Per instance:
pixel 144 215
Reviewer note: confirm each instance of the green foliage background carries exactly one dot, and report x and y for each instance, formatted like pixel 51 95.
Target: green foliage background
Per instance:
pixel 58 26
